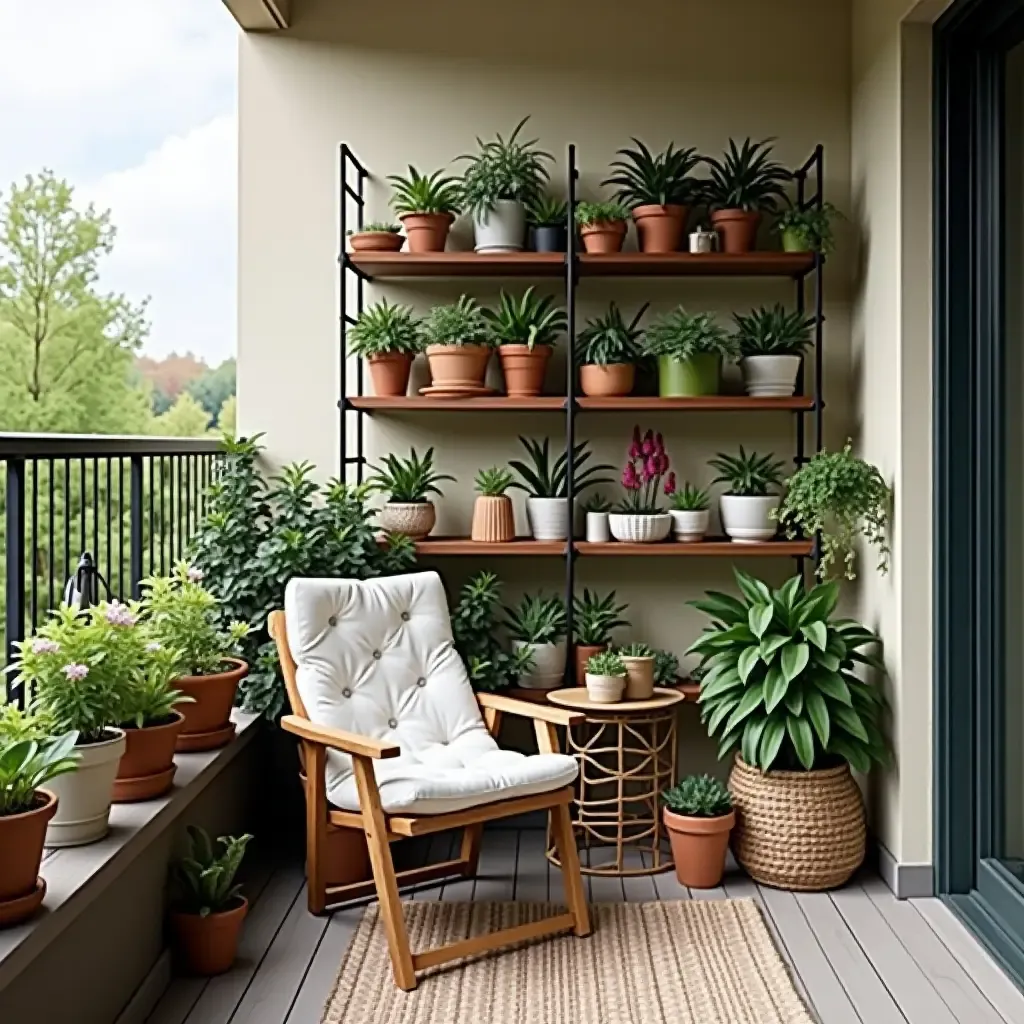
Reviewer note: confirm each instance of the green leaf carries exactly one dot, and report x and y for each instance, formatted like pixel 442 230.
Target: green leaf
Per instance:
pixel 790 591
pixel 748 660
pixel 833 685
pixel 750 700
pixel 775 687
pixel 826 660
pixel 770 644
pixel 850 752
pixel 819 603
pixel 719 715
pixel 723 684
pixel 817 712
pixel 848 720
pixel 727 745
pixel 752 589
pixel 794 660
pixel 802 739
pixel 771 742
pixel 795 700
pixel 817 633
pixel 760 618
pixel 722 606
pixel 752 732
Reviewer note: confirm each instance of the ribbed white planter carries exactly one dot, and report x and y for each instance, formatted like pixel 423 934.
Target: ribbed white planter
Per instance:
pixel 640 529
pixel 747 520
pixel 415 519
pixel 84 795
pixel 548 671
pixel 548 518
pixel 605 689
pixel 770 376
pixel 690 525
pixel 503 229
pixel 597 528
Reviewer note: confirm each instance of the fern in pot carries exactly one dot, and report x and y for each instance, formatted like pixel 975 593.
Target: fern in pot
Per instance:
pixel 606 678
pixel 408 483
pixel 548 218
pixel 387 337
pixel 808 229
pixel 607 350
pixel 594 618
pixel 698 817
pixel 771 344
pixel 536 627
pixel 690 509
pixel 689 349
pixel 751 499
pixel 602 225
pixel 427 205
pixel 377 236
pixel 458 345
pixel 638 519
pixel 493 516
pixel 525 330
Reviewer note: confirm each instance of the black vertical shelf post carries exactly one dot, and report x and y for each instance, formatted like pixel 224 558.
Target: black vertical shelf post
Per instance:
pixel 571 278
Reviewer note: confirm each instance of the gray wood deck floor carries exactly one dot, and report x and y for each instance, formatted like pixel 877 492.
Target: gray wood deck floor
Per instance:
pixel 858 956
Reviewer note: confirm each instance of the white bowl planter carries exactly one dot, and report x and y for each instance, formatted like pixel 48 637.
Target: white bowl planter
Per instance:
pixel 770 376
pixel 548 672
pixel 84 795
pixel 640 529
pixel 503 229
pixel 605 689
pixel 747 519
pixel 690 525
pixel 597 528
pixel 415 519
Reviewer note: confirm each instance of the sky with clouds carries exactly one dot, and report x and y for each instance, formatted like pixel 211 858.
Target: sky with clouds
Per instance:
pixel 133 101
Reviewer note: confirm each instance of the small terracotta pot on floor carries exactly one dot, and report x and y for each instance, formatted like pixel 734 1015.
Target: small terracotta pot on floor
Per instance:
pixel 208 722
pixel 389 373
pixel 21 853
pixel 524 369
pixel 604 236
pixel 660 229
pixel 493 519
pixel 208 945
pixel 737 229
pixel 608 381
pixel 699 846
pixel 146 769
pixel 427 232
pixel 584 652
pixel 376 241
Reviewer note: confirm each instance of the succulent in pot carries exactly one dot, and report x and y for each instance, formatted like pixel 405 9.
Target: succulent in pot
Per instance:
pixel 525 330
pixel 594 619
pixel 501 178
pixel 387 337
pixel 607 352
pixel 771 343
pixel 666 668
pixel 743 184
pixel 690 508
pixel 689 349
pixel 606 678
pixel 493 515
pixel 427 205
pixel 596 508
pixel 638 519
pixel 408 484
pixel 548 218
pixel 639 661
pixel 458 345
pixel 808 229
pixel 658 189
pixel 377 236
pixel 747 506
pixel 699 816
pixel 537 624
pixel 602 225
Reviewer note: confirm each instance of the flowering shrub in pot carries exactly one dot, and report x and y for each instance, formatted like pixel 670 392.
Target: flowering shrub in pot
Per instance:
pixel 427 205
pixel 377 236
pixel 594 619
pixel 607 352
pixel 606 678
pixel 638 518
pixel 771 343
pixel 602 226
pixel 493 516
pixel 690 511
pixel 537 624
pixel 387 337
pixel 458 344
pixel 698 816
pixel 689 349
pixel 747 507
pixel 408 484
pixel 525 330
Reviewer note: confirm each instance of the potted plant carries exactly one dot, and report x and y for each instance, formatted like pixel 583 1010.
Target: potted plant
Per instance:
pixel 537 623
pixel 596 509
pixel 606 678
pixel 525 330
pixel 594 618
pixel 809 229
pixel 607 351
pixel 689 348
pixel 690 512
pixel 658 189
pixel 493 516
pixel 546 485
pixel 458 345
pixel 26 766
pixel 638 519
pixel 666 668
pixel 698 817
pixel 839 497
pixel 387 337
pixel 781 690
pixel 208 908
pixel 377 236
pixel 408 482
pixel 639 661
pixel 500 179
pixel 183 616
pixel 771 343
pixel 602 225
pixel 427 205
pixel 548 218
pixel 747 506
pixel 744 183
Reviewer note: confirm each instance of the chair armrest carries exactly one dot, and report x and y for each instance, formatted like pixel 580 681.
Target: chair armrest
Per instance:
pixel 338 739
pixel 538 712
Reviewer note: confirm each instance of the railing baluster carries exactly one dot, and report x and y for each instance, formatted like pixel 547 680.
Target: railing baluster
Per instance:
pixel 109 502
pixel 52 556
pixel 135 511
pixel 163 521
pixel 96 512
pixel 15 562
pixel 152 501
pixel 67 523
pixel 120 526
pixel 33 555
pixel 81 510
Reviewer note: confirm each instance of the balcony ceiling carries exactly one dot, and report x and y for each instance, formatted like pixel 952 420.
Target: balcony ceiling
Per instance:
pixel 260 15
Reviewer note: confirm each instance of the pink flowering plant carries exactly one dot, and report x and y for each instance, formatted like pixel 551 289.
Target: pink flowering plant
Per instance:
pixel 646 475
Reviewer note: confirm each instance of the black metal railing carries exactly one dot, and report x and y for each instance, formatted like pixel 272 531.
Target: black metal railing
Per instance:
pixel 132 502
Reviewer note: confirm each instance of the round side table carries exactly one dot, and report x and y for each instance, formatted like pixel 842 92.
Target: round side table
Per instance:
pixel 627 757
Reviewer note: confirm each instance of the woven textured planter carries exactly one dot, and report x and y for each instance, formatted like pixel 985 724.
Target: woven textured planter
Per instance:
pixel 413 518
pixel 798 830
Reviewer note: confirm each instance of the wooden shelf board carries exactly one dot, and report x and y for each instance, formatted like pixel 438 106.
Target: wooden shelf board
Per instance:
pixel 524 546
pixel 419 403
pixel 685 264
pixel 715 548
pixel 459 264
pixel 708 403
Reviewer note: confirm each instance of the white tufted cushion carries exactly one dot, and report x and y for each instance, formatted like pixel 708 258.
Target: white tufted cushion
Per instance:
pixel 376 657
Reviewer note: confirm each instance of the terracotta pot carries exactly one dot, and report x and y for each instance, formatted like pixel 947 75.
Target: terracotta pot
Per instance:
pixel 493 519
pixel 584 652
pixel 427 232
pixel 376 241
pixel 736 228
pixel 699 846
pixel 524 369
pixel 604 236
pixel 660 228
pixel 461 365
pixel 607 381
pixel 146 769
pixel 639 677
pixel 413 518
pixel 208 945
pixel 208 722
pixel 390 373
pixel 21 853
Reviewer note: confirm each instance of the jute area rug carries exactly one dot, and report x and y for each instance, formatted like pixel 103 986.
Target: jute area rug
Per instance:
pixel 687 962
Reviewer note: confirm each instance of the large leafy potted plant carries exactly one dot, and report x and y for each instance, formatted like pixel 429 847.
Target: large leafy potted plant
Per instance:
pixel 377 236
pixel 638 519
pixel 427 205
pixel 698 816
pixel 607 352
pixel 689 348
pixel 781 690
pixel 408 484
pixel 458 345
pixel 548 218
pixel 594 619
pixel 387 337
pixel 809 229
pixel 746 507
pixel 690 509
pixel 525 330
pixel 537 624
pixel 658 189
pixel 602 225
pixel 771 343
pixel 493 516
pixel 501 178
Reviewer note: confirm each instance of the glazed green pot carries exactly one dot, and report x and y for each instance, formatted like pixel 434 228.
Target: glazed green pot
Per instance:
pixel 689 378
pixel 794 241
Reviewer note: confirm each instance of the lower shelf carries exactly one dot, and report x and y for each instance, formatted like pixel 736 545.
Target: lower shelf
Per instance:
pixel 717 547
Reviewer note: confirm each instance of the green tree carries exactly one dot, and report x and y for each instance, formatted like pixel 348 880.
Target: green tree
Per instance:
pixel 227 415
pixel 186 418
pixel 214 387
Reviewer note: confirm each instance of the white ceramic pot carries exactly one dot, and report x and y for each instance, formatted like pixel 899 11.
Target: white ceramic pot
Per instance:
pixel 548 518
pixel 690 526
pixel 597 528
pixel 770 376
pixel 503 229
pixel 605 689
pixel 84 795
pixel 548 672
pixel 640 529
pixel 747 520
pixel 415 519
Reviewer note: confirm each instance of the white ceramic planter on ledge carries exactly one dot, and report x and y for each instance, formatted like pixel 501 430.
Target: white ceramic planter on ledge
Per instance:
pixel 503 229
pixel 690 525
pixel 635 528
pixel 770 376
pixel 548 672
pixel 597 528
pixel 605 689
pixel 747 518
pixel 84 795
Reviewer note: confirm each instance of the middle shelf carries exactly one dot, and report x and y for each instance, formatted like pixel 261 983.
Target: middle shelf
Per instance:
pixel 557 403
pixel 717 547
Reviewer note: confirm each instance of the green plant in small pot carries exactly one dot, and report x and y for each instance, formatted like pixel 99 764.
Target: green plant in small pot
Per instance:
pixel 602 225
pixel 782 689
pixel 839 498
pixel 689 349
pixel 639 661
pixel 666 668
pixel 377 236
pixel 771 343
pixel 596 508
pixel 548 218
pixel 658 189
pixel 427 205
pixel 408 483
pixel 690 508
pixel 699 817
pixel 387 337
pixel 525 330
pixel 493 516
pixel 458 344
pixel 746 507
pixel 537 624
pixel 605 678
pixel 594 619
pixel 744 184
pixel 208 908
pixel 607 351
pixel 638 518
pixel 809 229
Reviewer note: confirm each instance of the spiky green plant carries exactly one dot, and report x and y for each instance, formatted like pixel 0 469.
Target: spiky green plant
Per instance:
pixel 746 178
pixel 28 764
pixel 544 478
pixel 666 668
pixel 698 796
pixel 608 339
pixel 409 480
pixel 643 179
pixel 424 193
pixel 494 481
pixel 529 320
pixel 547 212
pixel 636 649
pixel 384 327
pixel 746 475
pixel 537 619
pixel 597 503
pixel 772 332
pixel 459 323
pixel 204 877
pixel 595 618
pixel 681 335
pixel 376 226
pixel 606 663
pixel 690 498
pixel 603 212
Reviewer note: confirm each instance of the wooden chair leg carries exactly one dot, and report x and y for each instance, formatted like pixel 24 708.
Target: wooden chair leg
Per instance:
pixel 572 879
pixel 470 852
pixel 316 828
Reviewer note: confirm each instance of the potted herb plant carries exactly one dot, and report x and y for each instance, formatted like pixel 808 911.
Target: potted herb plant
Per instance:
pixel 781 690
pixel 537 623
pixel 493 516
pixel 501 178
pixel 408 482
pixel 606 678
pixel 658 189
pixel 689 348
pixel 744 184
pixel 698 817
pixel 747 506
pixel 594 619
pixel 602 225
pixel 638 519
pixel 809 229
pixel 387 337
pixel 208 908
pixel 427 205
pixel 639 661
pixel 839 497
pixel 771 343
pixel 458 345
pixel 596 509
pixel 691 512
pixel 666 668
pixel 607 351
pixel 377 236
pixel 525 330
pixel 548 218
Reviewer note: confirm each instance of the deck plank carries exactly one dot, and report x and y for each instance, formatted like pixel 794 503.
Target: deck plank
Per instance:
pixel 496 876
pixel 318 982
pixel 533 875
